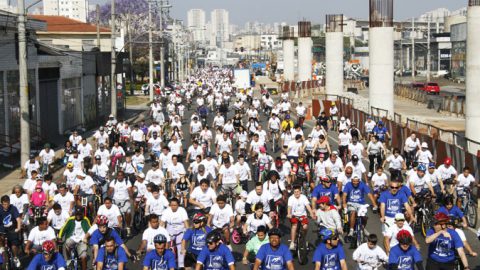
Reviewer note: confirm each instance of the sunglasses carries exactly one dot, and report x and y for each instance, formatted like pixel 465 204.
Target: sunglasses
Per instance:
pixel 48 253
pixel 394 187
pixel 335 239
pixel 210 243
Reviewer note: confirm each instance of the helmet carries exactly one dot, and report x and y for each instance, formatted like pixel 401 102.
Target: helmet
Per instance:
pixel 300 159
pixel 441 217
pixel 421 168
pixel 328 234
pixel 48 247
pixel 273 173
pixel 275 231
pixel 199 217
pixel 380 123
pixel 447 161
pixel 102 220
pixel 424 145
pixel 262 149
pixel 213 236
pixel 404 237
pixel 431 165
pixel 278 163
pixel 78 210
pixel 325 179
pixel 342 118
pixel 47 145
pixel 333 103
pixel 69 165
pixel 159 239
pixel 323 199
pixel 98 157
pixel 354 158
pixel 287 116
pixel 31 156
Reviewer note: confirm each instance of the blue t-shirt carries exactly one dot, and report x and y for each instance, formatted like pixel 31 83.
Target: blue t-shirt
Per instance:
pixel 274 259
pixel 393 203
pixel 320 191
pixel 329 258
pixel 196 239
pixel 111 262
pixel 455 212
pixel 405 260
pixel 157 262
pixel 219 259
pixel 442 250
pixel 38 262
pixel 380 132
pixel 97 238
pixel 8 218
pixel 356 194
pixel 405 190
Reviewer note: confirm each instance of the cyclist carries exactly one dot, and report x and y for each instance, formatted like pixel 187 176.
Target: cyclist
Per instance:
pixel 196 237
pixel 453 224
pixel 369 256
pixel 381 131
pixel 274 255
pixel 444 243
pixel 39 234
pixel 329 254
pixel 122 192
pixel 47 158
pixel 31 164
pixel 155 174
pixel 448 173
pixel 333 166
pixel 65 199
pixel 221 217
pixel 328 216
pixel 215 256
pixel 453 211
pixel 464 181
pixel 354 197
pixel 111 256
pixel 396 164
pixel 147 244
pixel 376 152
pixel 344 140
pixel 74 231
pixel 412 145
pixel 156 202
pixel 161 257
pixel 333 112
pixel 301 173
pixel 274 125
pixel 203 196
pixel 301 111
pixel 436 181
pixel 298 205
pixel 228 178
pixel 420 183
pixel 155 144
pixel 255 220
pixel 404 255
pixel 49 259
pixel 56 217
pixel 175 220
pixel 277 189
pixel 390 235
pixel 11 225
pixel 254 244
pixel 325 188
pixel 259 195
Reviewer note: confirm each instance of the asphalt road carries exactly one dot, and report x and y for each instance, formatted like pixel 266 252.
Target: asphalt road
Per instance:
pixel 373 226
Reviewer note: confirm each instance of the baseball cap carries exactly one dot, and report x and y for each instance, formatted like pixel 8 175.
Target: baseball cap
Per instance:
pixel 335 153
pixel 354 158
pixel 399 216
pixel 424 145
pixel 141 175
pixel 243 194
pixel 283 156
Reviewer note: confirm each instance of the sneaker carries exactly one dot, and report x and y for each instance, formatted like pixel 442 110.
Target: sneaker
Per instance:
pixel 369 174
pixel 292 246
pixel 129 231
pixel 17 262
pixel 350 233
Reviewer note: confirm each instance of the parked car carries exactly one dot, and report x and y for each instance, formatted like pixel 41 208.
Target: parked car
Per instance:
pixel 431 88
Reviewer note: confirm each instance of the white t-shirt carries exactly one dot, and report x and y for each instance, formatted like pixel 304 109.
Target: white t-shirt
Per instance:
pixel 210 166
pixel 78 232
pixel 85 185
pixel 47 157
pixel 253 223
pixel 150 233
pixel 419 183
pixel 392 232
pixel 243 171
pixel 274 123
pixel 37 237
pixel 463 181
pixel 395 162
pixel 176 171
pixel 112 214
pixel 224 145
pixel 175 147
pixel 275 189
pixel 320 169
pixel 137 135
pixel 104 155
pixel 356 149
pixel 369 126
pixel 156 144
pixel 445 172
pixel 85 150
pixel 229 175
pixel 175 221
pixel 301 110
pixel 335 168
pixel 64 201
pixel 206 198
pixel 369 256
pixel 196 126
pixel 411 145
pixel 424 156
pixel 19 202
pixel 253 198
pixel 101 138
pixel 344 139
pixel 358 169
pixel 120 190
pixel 100 170
pixel 194 152
pixel 156 206
pixel 154 176
pixel 379 180
pixel 221 217
pixel 294 148
pixel 57 221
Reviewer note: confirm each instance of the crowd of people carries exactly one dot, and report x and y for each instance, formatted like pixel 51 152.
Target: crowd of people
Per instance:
pixel 220 178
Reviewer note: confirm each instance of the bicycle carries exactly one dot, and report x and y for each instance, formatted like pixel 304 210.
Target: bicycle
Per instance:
pixel 424 212
pixel 139 220
pixel 168 188
pixel 173 245
pixel 36 213
pixel 74 260
pixel 8 262
pixel 274 133
pixel 359 229
pixel 468 206
pixel 301 246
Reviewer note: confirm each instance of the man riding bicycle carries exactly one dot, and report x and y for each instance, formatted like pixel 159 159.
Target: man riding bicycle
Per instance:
pixel 298 205
pixel 161 257
pixel 48 259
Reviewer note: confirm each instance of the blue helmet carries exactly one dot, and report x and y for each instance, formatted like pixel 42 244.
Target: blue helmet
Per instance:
pixel 160 239
pixel 327 234
pixel 431 165
pixel 421 167
pixel 380 123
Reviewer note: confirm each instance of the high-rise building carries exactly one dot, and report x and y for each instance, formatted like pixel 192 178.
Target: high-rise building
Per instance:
pixel 74 9
pixel 220 27
pixel 196 24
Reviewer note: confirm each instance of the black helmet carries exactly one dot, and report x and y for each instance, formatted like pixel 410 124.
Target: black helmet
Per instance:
pixel 275 231
pixel 213 236
pixel 273 173
pixel 159 239
pixel 78 210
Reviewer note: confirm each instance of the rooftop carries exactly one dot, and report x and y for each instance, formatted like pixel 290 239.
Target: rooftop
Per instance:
pixel 62 24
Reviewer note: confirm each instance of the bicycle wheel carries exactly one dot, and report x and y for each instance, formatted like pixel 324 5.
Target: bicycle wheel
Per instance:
pixel 273 144
pixel 471 214
pixel 425 223
pixel 360 236
pixel 138 219
pixel 302 250
pixel 7 260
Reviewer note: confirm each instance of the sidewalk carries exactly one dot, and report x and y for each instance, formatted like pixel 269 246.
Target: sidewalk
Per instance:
pixel 133 114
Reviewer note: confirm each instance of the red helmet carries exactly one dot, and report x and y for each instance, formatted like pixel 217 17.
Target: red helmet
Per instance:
pixel 323 199
pixel 278 163
pixel 262 149
pixel 102 220
pixel 325 179
pixel 404 237
pixel 48 247
pixel 441 217
pixel 447 161
pixel 199 217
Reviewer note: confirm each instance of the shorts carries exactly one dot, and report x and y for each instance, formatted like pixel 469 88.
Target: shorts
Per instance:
pixel 190 259
pixel 81 247
pixel 226 188
pixel 302 219
pixel 88 196
pixel 13 237
pixel 353 206
pixel 389 222
pixel 125 207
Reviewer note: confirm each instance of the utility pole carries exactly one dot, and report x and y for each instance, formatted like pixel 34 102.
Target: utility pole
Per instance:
pixel 22 71
pixel 98 27
pixel 113 77
pixel 150 50
pixel 413 49
pixel 130 52
pixel 428 49
pixel 162 49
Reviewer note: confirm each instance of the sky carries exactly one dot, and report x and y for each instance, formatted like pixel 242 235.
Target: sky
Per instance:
pixel 291 11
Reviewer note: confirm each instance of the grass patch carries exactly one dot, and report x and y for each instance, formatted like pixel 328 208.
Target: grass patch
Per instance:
pixel 137 100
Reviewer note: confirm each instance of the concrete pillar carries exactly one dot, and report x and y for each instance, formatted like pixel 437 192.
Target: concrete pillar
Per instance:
pixel 289 60
pixel 334 62
pixel 304 58
pixel 407 59
pixel 381 68
pixel 472 115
